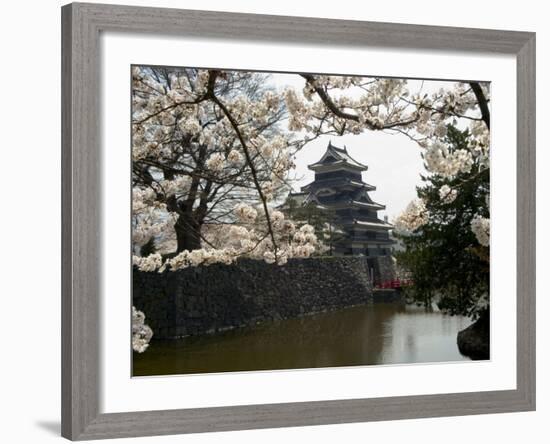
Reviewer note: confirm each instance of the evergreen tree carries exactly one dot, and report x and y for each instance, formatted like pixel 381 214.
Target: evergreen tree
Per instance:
pixel 447 263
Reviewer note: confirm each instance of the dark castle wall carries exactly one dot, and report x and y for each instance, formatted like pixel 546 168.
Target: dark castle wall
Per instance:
pixel 383 268
pixel 219 297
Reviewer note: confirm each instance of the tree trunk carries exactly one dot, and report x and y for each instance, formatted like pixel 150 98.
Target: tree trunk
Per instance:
pixel 188 233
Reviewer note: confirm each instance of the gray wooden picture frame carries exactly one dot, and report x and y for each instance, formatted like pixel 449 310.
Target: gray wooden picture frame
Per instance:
pixel 81 231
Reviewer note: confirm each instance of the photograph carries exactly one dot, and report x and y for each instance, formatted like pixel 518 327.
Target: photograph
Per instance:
pixel 285 221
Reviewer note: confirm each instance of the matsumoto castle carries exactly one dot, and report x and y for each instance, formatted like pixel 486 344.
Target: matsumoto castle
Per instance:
pixel 339 187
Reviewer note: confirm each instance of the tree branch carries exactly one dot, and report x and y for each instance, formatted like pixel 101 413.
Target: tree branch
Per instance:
pixel 483 103
pixel 329 103
pixel 250 163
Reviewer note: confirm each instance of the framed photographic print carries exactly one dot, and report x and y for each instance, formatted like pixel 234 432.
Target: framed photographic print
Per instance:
pixel 278 221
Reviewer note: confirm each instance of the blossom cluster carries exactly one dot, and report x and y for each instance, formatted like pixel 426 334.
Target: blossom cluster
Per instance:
pixel 481 227
pixel 200 132
pixel 148 263
pixel 447 164
pixel 447 194
pixel 354 104
pixel 249 239
pixel 479 143
pixel 215 162
pixel 141 332
pixel 179 107
pixel 414 216
pixel 234 157
pixel 245 213
pixel 151 222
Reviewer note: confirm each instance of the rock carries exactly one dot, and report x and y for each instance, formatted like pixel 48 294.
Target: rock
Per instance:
pixel 474 341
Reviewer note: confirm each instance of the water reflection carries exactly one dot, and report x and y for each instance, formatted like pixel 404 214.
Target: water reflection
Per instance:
pixel 365 335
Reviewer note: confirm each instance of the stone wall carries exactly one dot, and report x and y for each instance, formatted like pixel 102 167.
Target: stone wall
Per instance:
pixel 219 297
pixel 382 268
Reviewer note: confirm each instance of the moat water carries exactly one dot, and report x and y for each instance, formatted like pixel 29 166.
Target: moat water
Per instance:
pixel 364 335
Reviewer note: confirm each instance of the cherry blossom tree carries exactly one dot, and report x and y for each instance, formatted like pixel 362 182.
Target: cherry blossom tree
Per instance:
pixel 444 252
pixel 208 152
pixel 187 157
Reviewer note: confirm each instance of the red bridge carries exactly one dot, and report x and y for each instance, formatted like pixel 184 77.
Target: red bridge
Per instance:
pixel 394 284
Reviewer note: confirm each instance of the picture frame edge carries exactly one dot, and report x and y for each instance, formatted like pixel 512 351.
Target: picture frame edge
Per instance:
pixel 526 220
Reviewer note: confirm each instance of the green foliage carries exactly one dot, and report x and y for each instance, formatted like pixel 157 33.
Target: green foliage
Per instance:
pixel 444 257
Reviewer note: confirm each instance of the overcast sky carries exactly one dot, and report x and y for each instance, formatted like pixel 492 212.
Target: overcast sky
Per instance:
pixel 393 160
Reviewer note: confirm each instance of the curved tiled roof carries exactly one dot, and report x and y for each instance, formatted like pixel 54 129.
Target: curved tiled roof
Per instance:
pixel 336 154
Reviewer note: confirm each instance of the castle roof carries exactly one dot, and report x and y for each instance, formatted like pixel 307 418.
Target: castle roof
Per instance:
pixel 373 224
pixel 372 204
pixel 340 183
pixel 335 156
pixel 370 225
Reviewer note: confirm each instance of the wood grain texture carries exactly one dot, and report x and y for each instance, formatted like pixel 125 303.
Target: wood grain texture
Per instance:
pixel 81 230
pixel 80 222
pixel 259 27
pixel 526 221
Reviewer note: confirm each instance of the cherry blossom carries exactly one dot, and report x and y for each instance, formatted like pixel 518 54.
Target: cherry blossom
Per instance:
pixel 228 244
pixel 481 227
pixel 414 216
pixel 245 213
pixel 447 194
pixel 141 332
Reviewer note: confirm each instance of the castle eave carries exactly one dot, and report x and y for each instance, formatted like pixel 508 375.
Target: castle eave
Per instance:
pixel 368 205
pixel 366 224
pixel 339 184
pixel 373 241
pixel 367 186
pixel 336 166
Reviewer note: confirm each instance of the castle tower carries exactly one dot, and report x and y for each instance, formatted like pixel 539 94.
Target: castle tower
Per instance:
pixel 339 186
